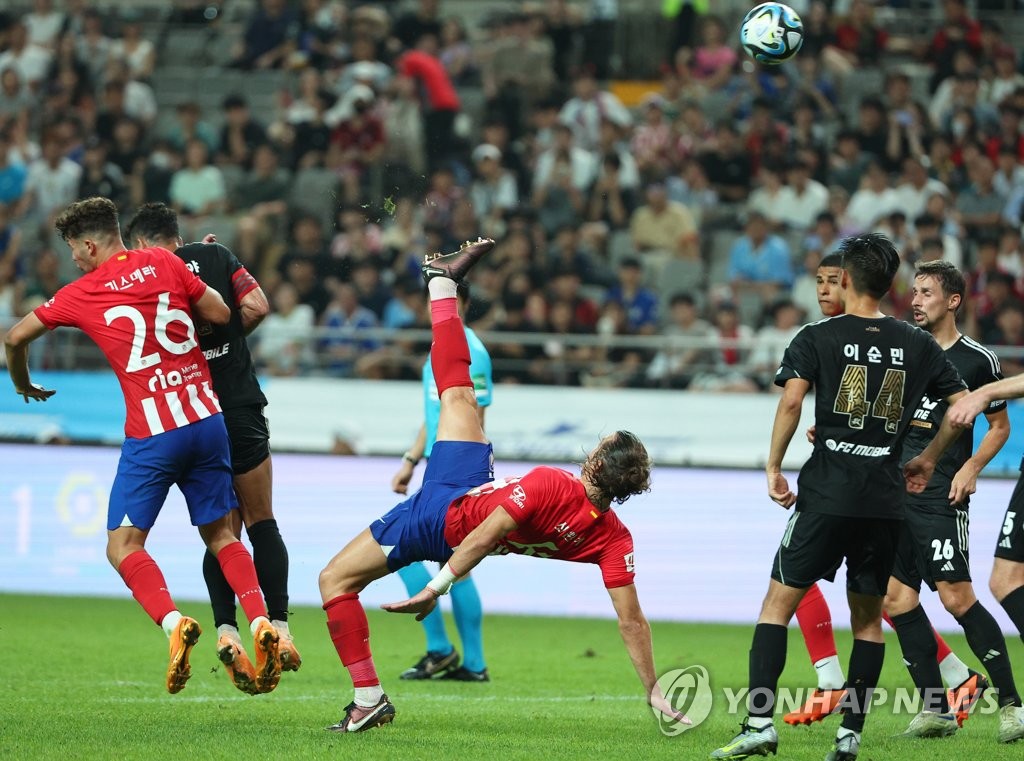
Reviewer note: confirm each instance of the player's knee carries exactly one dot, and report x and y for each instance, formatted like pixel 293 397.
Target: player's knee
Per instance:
pixel 1000 584
pixel 957 599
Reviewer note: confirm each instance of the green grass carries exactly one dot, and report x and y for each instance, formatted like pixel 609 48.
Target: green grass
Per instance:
pixel 83 679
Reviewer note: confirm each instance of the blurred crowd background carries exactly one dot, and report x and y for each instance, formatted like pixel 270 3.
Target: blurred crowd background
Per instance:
pixel 660 203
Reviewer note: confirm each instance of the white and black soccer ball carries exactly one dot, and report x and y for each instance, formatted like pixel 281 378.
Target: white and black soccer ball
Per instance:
pixel 771 33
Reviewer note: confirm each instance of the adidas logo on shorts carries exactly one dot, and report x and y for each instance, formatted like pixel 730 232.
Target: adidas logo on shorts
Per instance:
pixel 1006 544
pixel 948 566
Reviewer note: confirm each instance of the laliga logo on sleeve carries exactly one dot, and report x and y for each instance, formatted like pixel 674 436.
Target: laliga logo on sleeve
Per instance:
pixel 688 691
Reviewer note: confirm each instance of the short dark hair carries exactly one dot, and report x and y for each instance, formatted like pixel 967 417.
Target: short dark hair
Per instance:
pixel 949 277
pixel 153 221
pixel 91 216
pixel 872 261
pixel 682 298
pixel 832 260
pixel 620 467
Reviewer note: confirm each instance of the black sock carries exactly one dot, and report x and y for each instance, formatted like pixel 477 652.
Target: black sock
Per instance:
pixel 1013 604
pixel 866 660
pixel 270 557
pixel 989 646
pixel 222 596
pixel 767 659
pixel 917 641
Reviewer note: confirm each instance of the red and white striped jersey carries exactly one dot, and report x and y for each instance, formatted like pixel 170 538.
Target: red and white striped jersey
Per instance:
pixel 136 306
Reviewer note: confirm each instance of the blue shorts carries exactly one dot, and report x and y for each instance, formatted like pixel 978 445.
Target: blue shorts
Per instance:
pixel 414 530
pixel 196 457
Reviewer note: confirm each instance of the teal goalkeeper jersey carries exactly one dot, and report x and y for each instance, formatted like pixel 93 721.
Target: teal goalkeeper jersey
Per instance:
pixel 479 373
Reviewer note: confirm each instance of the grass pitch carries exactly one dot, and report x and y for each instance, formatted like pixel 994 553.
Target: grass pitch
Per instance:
pixel 83 679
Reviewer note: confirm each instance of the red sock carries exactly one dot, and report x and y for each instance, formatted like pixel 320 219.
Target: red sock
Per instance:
pixel 449 354
pixel 350 633
pixel 443 309
pixel 816 625
pixel 142 575
pixel 236 563
pixel 944 649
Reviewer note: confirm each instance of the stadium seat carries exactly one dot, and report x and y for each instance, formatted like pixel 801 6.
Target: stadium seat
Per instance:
pixel 315 191
pixel 680 276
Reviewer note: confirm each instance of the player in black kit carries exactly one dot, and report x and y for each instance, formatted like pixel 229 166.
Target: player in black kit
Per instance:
pixel 242 402
pixel 933 546
pixel 871 373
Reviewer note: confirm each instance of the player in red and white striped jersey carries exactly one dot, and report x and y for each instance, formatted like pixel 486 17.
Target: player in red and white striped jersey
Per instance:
pixel 138 307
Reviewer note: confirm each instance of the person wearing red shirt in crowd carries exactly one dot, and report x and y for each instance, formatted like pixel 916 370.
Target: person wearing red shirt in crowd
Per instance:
pixel 138 306
pixel 957 32
pixel 357 141
pixel 461 514
pixel 440 102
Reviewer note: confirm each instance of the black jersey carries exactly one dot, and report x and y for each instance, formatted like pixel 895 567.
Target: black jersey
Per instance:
pixel 224 346
pixel 869 376
pixel 977 366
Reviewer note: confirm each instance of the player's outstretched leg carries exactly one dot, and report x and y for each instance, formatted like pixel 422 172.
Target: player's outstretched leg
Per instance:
pixel 469 620
pixel 237 566
pixel 815 621
pixel 441 654
pixel 341 581
pixel 126 552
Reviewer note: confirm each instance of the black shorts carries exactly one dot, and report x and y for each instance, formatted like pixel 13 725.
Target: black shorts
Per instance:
pixel 815 545
pixel 250 437
pixel 933 547
pixel 1010 545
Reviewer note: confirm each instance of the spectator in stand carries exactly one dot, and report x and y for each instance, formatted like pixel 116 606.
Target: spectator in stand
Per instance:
pixel 261 199
pixel 692 189
pixel 12 174
pixel 512 360
pixel 652 139
pixel 926 227
pixel 763 131
pixel 664 226
pixel 612 203
pixel 873 128
pixel 357 142
pixel 44 24
pixel 270 37
pixel 857 41
pixel 494 191
pixel 727 165
pixel 137 53
pixel 241 132
pixel 101 177
pixel 561 179
pixel 365 68
pixel 285 338
pixel 1009 258
pixel 51 186
pixel 803 198
pixel 15 96
pixel 980 207
pixel 457 52
pixel 917 187
pixel 759 261
pixel 412 26
pixel 32 61
pixel 588 108
pixel 714 59
pixel 517 71
pixel 874 200
pixel 847 162
pixel 729 371
pixel 10 242
pixel 92 46
pixel 683 355
pixel 564 287
pixel 440 103
pixel 958 31
pixel 640 303
pixel 340 347
pixel 998 291
pixel 139 100
pixel 1008 138
pixel 189 125
pixel 1009 331
pixel 767 197
pixel 370 291
pixel 772 340
pixel 1006 79
pixel 198 189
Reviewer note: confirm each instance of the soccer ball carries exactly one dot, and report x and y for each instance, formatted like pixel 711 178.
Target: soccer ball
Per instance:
pixel 771 33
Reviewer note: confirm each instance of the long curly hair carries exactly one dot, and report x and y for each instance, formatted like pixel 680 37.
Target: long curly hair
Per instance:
pixel 619 468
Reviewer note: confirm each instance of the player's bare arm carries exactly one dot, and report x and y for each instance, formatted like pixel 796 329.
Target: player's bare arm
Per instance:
pixel 787 418
pixel 918 472
pixel 964 411
pixel 254 308
pixel 636 636
pixel 480 543
pixel 400 481
pixel 16 342
pixel 965 482
pixel 211 307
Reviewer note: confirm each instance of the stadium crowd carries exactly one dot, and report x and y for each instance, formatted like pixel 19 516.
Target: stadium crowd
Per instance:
pixel 695 210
